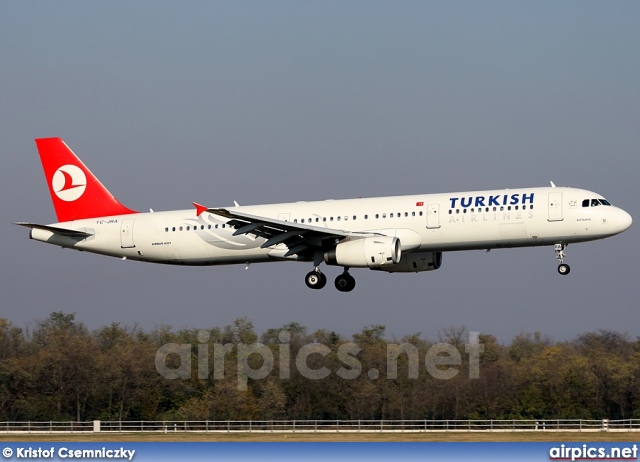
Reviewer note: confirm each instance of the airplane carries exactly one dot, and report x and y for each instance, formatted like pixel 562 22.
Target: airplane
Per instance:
pixel 401 234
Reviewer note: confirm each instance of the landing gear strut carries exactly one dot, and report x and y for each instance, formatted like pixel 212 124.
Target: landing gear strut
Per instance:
pixel 345 282
pixel 315 279
pixel 563 268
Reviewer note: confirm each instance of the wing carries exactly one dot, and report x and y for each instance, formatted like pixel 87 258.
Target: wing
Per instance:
pixel 300 239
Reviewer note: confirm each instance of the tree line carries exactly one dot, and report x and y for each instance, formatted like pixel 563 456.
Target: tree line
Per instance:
pixel 63 371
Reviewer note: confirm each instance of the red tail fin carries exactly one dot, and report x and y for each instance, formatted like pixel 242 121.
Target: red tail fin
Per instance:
pixel 75 191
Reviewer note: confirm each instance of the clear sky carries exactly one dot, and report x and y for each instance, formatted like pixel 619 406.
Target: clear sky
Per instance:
pixel 259 102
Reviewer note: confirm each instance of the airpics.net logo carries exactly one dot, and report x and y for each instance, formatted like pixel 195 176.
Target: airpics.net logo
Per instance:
pixel 69 183
pixel 591 452
pixel 442 360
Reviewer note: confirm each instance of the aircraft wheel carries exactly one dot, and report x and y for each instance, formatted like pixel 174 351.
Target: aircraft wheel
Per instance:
pixel 315 280
pixel 345 282
pixel 564 269
pixel 323 281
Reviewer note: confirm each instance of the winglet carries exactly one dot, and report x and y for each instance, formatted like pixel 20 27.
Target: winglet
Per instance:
pixel 553 185
pixel 199 208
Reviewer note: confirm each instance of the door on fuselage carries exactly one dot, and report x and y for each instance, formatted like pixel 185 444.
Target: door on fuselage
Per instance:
pixel 555 206
pixel 126 234
pixel 433 216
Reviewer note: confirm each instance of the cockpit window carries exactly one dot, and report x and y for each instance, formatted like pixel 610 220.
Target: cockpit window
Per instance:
pixel 595 202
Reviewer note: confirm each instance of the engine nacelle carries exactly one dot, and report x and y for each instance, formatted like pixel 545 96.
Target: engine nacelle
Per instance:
pixel 415 263
pixel 368 252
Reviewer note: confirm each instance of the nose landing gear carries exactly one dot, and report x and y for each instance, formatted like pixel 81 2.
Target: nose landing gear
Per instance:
pixel 563 268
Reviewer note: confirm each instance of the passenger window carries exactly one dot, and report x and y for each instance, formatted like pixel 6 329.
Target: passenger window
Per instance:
pixel 377 216
pixel 420 213
pixel 166 230
pixel 391 215
pixel 209 226
pixel 324 218
pixel 384 215
pixel 406 214
pixel 317 219
pixel 450 212
pixel 180 228
pixel 413 214
pixel 366 217
pixel 216 226
pixel 338 218
pixel 331 219
pixel 187 228
pixel 354 217
pixel 173 229
pixel 302 221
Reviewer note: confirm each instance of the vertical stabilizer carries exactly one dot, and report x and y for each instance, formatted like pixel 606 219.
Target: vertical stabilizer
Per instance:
pixel 76 193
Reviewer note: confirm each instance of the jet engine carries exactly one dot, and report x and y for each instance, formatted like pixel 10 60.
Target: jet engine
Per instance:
pixel 367 252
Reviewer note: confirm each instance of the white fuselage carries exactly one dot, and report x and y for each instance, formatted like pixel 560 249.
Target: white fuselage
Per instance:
pixel 422 223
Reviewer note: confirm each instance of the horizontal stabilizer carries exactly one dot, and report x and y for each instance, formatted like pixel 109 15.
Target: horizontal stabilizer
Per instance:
pixel 56 230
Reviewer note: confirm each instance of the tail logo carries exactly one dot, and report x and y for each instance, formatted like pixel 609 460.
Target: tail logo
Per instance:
pixel 69 183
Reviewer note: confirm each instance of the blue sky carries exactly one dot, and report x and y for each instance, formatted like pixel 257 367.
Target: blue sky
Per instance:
pixel 259 102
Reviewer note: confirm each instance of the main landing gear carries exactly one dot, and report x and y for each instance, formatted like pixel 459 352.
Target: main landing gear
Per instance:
pixel 317 280
pixel 563 268
pixel 345 282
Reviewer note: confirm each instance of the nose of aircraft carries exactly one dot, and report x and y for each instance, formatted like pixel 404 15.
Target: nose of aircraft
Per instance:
pixel 623 220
